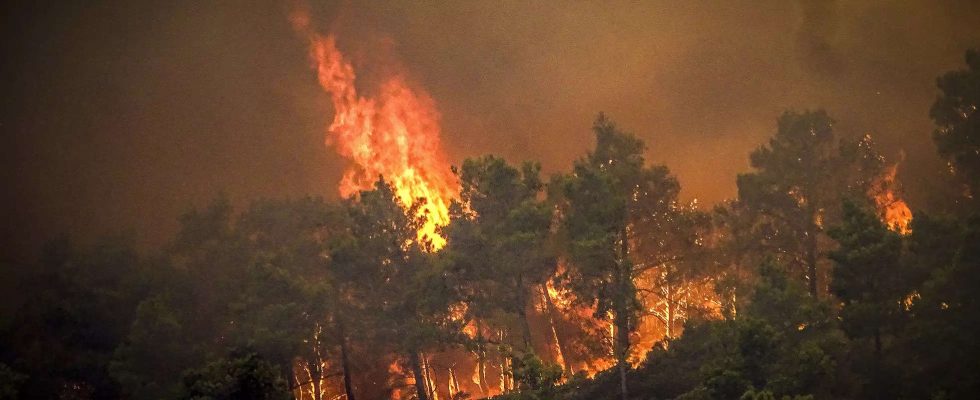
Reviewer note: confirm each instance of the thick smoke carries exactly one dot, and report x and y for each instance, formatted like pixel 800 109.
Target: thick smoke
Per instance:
pixel 124 114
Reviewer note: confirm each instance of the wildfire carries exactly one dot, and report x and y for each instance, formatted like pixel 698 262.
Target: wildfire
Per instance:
pixel 394 134
pixel 892 209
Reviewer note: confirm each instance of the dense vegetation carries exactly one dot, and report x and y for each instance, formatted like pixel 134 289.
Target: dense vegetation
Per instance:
pixel 595 284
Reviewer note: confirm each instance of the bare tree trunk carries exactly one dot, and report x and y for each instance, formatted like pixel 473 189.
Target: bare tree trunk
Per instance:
pixel 481 360
pixel 503 373
pixel 430 382
pixel 509 374
pixel 420 390
pixel 294 380
pixel 526 332
pixel 453 383
pixel 621 308
pixel 622 349
pixel 506 383
pixel 559 341
pixel 316 375
pixel 521 308
pixel 671 310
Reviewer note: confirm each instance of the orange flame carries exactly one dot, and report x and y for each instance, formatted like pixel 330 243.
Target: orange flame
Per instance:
pixel 395 134
pixel 893 211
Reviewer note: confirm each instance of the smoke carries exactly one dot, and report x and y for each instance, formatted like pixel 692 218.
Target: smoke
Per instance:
pixel 816 36
pixel 124 114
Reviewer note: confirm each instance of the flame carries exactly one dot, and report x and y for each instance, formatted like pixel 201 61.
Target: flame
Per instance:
pixel 893 211
pixel 395 372
pixel 910 299
pixel 394 134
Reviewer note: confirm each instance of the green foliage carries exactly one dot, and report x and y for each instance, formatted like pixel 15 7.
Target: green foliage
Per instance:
pixel 150 362
pixel 286 290
pixel 868 277
pixel 530 373
pixel 603 202
pixel 400 288
pixel 535 379
pixel 800 177
pixel 597 205
pixel 177 327
pixel 497 242
pixel 784 341
pixel 243 377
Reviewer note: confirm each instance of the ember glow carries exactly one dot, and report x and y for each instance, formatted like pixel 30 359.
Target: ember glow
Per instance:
pixel 393 134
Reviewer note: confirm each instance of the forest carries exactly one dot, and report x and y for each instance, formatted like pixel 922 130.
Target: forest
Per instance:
pixel 816 282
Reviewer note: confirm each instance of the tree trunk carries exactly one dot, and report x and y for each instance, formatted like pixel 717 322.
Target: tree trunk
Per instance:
pixel 421 392
pixel 316 375
pixel 526 332
pixel 622 349
pixel 738 277
pixel 621 309
pixel 430 382
pixel 669 331
pixel 503 373
pixel 345 363
pixel 294 383
pixel 811 250
pixel 559 342
pixel 481 359
pixel 453 383
pixel 521 308
pixel 506 375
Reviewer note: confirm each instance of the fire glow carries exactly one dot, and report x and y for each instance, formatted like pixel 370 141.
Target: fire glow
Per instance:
pixel 395 134
pixel 893 211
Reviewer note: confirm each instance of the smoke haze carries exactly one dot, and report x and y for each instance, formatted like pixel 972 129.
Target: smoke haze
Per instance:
pixel 121 115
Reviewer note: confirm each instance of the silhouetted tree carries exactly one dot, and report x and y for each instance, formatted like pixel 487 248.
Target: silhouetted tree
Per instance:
pixel 942 341
pixel 870 283
pixel 609 191
pixel 799 179
pixel 958 125
pixel 80 305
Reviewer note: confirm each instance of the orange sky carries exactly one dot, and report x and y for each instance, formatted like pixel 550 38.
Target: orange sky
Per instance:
pixel 123 114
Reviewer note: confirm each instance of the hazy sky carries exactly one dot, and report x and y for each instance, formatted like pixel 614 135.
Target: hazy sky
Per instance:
pixel 123 114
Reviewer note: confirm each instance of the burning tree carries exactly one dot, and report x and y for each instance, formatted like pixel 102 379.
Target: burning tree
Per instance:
pixel 801 177
pixel 609 192
pixel 405 300
pixel 395 133
pixel 674 278
pixel 498 252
